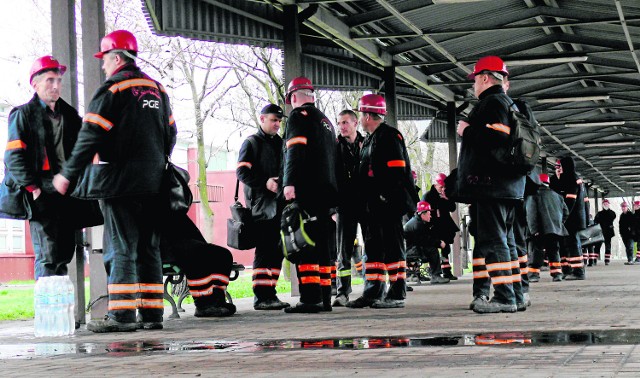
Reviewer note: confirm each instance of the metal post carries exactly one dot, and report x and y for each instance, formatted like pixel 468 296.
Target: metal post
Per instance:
pixel 453 163
pixel 292 69
pixel 92 31
pixel 63 43
pixel 390 96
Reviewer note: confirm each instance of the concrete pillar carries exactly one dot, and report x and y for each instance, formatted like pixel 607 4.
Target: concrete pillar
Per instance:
pixel 453 163
pixel 390 96
pixel 92 32
pixel 292 68
pixel 63 42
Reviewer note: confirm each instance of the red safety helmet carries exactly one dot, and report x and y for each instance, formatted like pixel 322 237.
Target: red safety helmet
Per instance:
pixel 606 200
pixel 440 177
pixel 297 84
pixel 489 63
pixel 544 178
pixel 373 103
pixel 117 40
pixel 46 63
pixel 636 203
pixel 423 206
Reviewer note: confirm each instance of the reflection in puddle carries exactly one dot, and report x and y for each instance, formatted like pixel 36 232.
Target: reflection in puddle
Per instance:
pixel 515 339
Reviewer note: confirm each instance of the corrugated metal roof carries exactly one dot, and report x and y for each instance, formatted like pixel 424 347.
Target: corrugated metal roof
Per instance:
pixel 442 41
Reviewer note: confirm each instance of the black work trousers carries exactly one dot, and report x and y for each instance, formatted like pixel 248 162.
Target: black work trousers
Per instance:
pixel 347 228
pixel 314 269
pixel 571 254
pixel 132 258
pixel 551 244
pixel 607 250
pixel 384 254
pixel 267 260
pixel 53 240
pixel 519 234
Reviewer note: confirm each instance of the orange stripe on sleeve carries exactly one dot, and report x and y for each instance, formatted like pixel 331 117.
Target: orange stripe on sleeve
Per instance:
pixel 500 127
pixel 396 164
pixel 245 164
pixel 296 140
pixel 97 119
pixel 15 144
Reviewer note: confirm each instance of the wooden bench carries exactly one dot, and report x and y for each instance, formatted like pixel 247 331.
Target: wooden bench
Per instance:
pixel 180 290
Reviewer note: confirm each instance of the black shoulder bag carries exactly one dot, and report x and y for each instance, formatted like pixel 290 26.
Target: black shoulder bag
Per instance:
pixel 240 227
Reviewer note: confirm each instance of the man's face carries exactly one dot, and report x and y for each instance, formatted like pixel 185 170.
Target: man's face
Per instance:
pixel 558 170
pixel 624 209
pixel 480 83
pixel 110 63
pixel 605 206
pixel 439 188
pixel 270 123
pixel 426 216
pixel 366 122
pixel 347 125
pixel 48 86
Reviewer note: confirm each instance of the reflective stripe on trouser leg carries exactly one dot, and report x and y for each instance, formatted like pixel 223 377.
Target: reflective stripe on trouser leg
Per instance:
pixel 494 238
pixel 346 229
pixel 267 260
pixel 574 254
pixel 132 257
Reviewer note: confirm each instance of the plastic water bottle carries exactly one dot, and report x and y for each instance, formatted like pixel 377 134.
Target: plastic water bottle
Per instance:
pixel 70 299
pixel 39 305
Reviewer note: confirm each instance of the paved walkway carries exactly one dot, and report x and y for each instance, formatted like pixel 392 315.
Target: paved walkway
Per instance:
pixel 582 328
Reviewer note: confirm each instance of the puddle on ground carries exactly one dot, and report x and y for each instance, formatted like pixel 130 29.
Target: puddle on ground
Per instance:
pixel 516 339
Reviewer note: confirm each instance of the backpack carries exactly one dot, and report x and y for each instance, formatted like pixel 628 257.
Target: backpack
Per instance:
pixel 523 151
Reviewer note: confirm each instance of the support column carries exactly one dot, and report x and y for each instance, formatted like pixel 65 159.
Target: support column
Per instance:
pixel 292 68
pixel 92 31
pixel 63 43
pixel 595 201
pixel 452 140
pixel 390 96
pixel 543 162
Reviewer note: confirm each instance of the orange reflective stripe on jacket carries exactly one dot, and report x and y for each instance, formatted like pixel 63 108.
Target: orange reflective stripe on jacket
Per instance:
pixel 572 196
pixel 296 140
pixel 500 127
pixel 245 164
pixel 132 83
pixel 396 164
pixel 97 119
pixel 171 120
pixel 15 144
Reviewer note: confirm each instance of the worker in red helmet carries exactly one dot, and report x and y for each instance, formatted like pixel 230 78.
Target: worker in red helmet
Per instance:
pixel 546 213
pixel 445 227
pixel 492 190
pixel 389 193
pixel 122 151
pixel 424 242
pixel 626 225
pixel 41 135
pixel 309 178
pixel 605 218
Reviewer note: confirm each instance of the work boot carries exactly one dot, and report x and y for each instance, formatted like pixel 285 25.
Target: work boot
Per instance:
pixel 304 308
pixel 493 306
pixel 270 304
pixel 476 300
pixel 629 263
pixel 110 325
pixel 435 280
pixel 213 311
pixel 558 278
pixel 340 301
pixel 360 302
pixel 409 288
pixel 534 277
pixel 147 325
pixel 574 277
pixel 388 303
pixel 450 276
pixel 521 307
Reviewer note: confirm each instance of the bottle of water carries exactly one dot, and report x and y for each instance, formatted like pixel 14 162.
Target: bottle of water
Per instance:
pixel 70 306
pixel 38 305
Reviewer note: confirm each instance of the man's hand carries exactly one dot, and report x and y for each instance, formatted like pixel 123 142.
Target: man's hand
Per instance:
pixel 442 244
pixel 60 183
pixel 36 193
pixel 289 192
pixel 461 126
pixel 272 184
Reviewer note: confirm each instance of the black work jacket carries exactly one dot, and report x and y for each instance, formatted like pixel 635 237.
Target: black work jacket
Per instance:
pixel 480 176
pixel 309 159
pixel 446 228
pixel 420 235
pixel 546 213
pixel 626 224
pixel 384 175
pixel 636 218
pixel 570 187
pixel 605 219
pixel 128 132
pixel 30 143
pixel 347 163
pixel 259 159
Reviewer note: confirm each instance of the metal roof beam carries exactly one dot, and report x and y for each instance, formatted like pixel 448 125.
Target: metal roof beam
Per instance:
pixel 382 14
